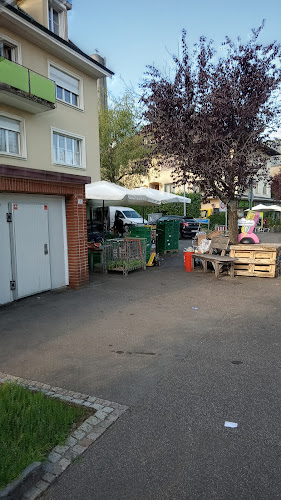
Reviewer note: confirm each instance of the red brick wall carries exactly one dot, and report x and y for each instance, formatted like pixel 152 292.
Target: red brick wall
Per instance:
pixel 76 219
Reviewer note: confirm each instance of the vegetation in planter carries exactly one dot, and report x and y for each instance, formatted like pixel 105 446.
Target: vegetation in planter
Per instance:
pixel 133 264
pixel 124 264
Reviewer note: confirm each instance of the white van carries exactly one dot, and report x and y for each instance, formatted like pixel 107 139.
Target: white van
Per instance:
pixel 128 215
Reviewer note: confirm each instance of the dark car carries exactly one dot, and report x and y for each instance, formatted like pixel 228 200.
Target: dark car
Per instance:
pixel 188 225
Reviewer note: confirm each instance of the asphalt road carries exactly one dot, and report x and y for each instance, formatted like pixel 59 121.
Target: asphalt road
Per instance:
pixel 138 341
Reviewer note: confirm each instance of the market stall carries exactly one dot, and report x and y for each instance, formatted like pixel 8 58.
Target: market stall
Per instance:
pixel 121 256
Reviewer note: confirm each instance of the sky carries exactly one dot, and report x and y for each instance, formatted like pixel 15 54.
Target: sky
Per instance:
pixel 131 35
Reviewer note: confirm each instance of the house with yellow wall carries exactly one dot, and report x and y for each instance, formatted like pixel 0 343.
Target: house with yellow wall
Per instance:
pixel 162 179
pixel 49 148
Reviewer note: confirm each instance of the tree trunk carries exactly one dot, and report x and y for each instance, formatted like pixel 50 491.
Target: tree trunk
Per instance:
pixel 232 208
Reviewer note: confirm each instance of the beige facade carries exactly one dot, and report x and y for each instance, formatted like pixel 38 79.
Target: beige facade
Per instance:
pixel 275 170
pixel 37 129
pixel 161 180
pixel 49 148
pixel 39 10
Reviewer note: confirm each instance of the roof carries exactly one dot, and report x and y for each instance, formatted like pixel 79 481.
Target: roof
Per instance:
pixel 22 14
pixel 270 151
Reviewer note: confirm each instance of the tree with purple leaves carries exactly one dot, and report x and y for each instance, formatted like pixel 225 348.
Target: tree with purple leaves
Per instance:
pixel 211 119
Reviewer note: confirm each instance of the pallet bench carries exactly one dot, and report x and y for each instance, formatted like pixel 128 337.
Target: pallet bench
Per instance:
pixel 217 261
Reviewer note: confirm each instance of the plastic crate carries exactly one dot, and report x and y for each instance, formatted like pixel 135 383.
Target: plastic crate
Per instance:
pixel 124 254
pixel 168 236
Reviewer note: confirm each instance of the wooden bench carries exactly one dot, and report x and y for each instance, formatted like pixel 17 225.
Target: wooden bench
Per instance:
pixel 219 243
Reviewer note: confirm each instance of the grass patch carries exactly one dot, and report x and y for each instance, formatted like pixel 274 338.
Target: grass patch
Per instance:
pixel 31 424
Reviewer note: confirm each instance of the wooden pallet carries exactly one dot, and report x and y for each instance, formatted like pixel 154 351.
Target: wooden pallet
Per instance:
pixel 260 270
pixel 166 252
pixel 262 260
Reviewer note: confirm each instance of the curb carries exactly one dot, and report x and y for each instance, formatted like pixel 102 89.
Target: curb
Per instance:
pixel 59 459
pixel 17 488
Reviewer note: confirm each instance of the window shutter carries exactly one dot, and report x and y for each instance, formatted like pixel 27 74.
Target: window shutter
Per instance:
pixel 9 124
pixel 65 81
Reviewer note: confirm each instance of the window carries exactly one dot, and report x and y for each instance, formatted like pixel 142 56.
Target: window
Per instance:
pixel 275 160
pixel 169 188
pixel 10 49
pixel 259 188
pixel 255 187
pixel 67 87
pixel 9 136
pixel 264 188
pixel 131 214
pixel 67 150
pixel 6 50
pixel 54 20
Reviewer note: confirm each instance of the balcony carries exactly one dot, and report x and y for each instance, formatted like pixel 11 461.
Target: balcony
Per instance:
pixel 24 89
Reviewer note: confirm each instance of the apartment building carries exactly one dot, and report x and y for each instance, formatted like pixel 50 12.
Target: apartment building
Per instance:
pixel 49 148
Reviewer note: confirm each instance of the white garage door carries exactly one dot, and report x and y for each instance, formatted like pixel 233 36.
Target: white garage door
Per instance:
pixel 33 245
pixel 31 248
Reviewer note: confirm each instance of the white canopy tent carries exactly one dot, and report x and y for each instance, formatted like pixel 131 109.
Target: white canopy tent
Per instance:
pixel 106 193
pixel 112 194
pixel 158 196
pixel 265 208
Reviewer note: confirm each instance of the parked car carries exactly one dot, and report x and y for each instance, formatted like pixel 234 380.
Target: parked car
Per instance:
pixel 188 225
pixel 189 228
pixel 128 215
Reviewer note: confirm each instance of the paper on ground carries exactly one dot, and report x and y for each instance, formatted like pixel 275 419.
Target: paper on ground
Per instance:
pixel 230 424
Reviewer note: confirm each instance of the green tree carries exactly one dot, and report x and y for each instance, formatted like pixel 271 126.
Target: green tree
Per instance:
pixel 122 149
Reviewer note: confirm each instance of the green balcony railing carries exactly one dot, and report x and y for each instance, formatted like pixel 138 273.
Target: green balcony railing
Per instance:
pixel 26 80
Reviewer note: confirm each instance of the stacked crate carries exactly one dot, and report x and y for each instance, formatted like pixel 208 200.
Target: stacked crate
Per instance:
pixel 262 260
pixel 168 236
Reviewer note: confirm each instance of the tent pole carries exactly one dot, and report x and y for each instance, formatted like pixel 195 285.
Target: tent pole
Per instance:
pixel 103 221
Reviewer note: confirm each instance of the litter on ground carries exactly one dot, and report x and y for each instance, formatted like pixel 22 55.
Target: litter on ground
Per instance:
pixel 233 425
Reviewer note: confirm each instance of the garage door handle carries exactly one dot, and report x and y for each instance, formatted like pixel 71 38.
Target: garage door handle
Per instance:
pixel 46 251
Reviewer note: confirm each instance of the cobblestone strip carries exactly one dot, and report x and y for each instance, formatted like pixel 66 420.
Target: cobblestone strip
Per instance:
pixel 106 413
